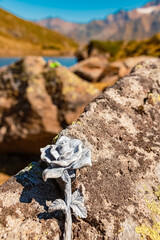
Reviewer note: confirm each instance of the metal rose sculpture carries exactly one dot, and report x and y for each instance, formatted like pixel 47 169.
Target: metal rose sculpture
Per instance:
pixel 63 159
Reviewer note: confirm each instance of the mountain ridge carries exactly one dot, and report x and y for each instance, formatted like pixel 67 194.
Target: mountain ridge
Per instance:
pixel 139 23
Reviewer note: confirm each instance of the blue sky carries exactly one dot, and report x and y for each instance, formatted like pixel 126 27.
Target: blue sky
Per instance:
pixel 71 10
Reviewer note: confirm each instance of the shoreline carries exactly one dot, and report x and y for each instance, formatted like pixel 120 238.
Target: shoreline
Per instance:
pixel 64 60
pixel 55 56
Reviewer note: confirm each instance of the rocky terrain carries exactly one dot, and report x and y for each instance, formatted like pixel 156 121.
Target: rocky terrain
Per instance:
pixel 121 128
pixel 36 102
pixel 101 72
pixel 116 50
pixel 139 23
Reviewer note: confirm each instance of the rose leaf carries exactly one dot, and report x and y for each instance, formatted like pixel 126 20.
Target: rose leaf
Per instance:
pixel 52 173
pixel 58 204
pixel 77 204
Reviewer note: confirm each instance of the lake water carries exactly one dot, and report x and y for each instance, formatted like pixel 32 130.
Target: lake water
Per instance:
pixel 65 61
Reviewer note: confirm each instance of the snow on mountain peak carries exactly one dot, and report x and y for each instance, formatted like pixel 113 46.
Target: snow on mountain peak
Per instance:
pixel 146 10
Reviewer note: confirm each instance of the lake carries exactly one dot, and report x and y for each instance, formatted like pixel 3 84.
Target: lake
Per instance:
pixel 65 61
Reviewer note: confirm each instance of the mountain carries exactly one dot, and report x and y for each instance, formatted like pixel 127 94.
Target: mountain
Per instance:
pixel 152 3
pixel 19 37
pixel 58 25
pixel 136 24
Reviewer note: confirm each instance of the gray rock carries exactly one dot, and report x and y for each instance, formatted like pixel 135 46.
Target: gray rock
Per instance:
pixel 121 128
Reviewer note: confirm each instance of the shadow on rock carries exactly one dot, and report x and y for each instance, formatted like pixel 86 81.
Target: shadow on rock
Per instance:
pixel 35 188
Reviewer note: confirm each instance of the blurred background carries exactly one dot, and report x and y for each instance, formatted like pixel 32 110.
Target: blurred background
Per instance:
pixel 55 57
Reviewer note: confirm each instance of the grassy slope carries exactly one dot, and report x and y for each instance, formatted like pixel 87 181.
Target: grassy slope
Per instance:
pixel 149 47
pixel 20 37
pixel 120 49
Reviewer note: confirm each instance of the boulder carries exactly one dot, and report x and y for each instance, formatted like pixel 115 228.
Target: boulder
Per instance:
pixel 126 65
pixel 28 118
pixel 29 115
pixel 81 54
pixel 69 92
pixel 91 68
pixel 121 128
pixel 98 69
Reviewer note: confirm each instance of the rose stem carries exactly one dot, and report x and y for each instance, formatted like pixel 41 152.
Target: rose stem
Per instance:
pixel 68 218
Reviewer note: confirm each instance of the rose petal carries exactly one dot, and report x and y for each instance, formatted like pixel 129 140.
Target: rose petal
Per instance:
pixel 77 152
pixel 75 142
pixel 67 154
pixel 52 173
pixel 64 163
pixel 45 154
pixel 54 153
pixel 62 139
pixel 71 158
pixel 84 161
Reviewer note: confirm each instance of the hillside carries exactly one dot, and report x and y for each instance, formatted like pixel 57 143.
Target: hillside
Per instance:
pixel 124 49
pixel 149 47
pixel 136 24
pixel 19 37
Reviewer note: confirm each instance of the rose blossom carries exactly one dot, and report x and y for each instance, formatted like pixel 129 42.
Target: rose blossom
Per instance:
pixel 66 154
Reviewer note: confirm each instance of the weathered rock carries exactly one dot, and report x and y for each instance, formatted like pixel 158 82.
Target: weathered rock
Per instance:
pixel 24 215
pixel 109 75
pixel 121 127
pixel 98 69
pixel 29 117
pixel 115 70
pixel 81 54
pixel 91 68
pixel 69 92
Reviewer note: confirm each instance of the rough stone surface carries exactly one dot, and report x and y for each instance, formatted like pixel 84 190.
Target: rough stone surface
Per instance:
pixel 69 92
pixel 99 70
pixel 27 114
pixel 30 116
pixel 125 66
pixel 121 127
pixel 23 215
pixel 91 68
